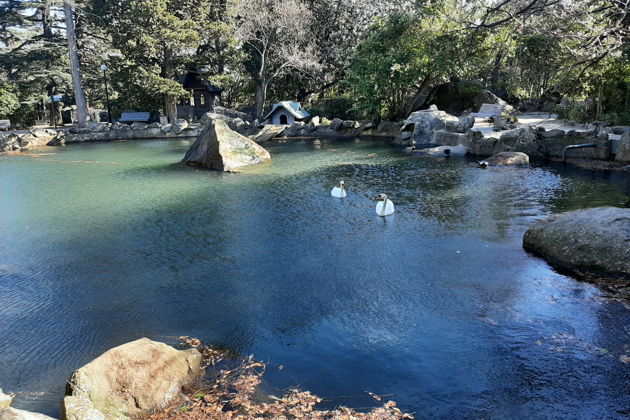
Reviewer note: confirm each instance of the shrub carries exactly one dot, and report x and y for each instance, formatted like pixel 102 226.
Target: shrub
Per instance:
pixel 335 107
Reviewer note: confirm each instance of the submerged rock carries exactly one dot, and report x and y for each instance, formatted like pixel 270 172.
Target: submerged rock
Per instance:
pixel 128 380
pixel 220 148
pixel 508 158
pixel 593 242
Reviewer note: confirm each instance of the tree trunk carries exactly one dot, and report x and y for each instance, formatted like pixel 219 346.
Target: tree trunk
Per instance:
pixel 49 109
pixel 170 106
pixel 47 22
pixel 79 95
pixel 261 97
pixel 496 70
pixel 170 101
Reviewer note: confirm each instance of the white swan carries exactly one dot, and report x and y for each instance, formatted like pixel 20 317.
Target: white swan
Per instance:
pixel 384 207
pixel 340 191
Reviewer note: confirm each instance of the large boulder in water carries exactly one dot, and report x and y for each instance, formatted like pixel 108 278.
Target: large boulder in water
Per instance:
pixel 422 124
pixel 594 243
pixel 129 380
pixel 220 148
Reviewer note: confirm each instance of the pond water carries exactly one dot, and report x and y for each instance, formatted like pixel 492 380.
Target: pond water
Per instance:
pixel 438 305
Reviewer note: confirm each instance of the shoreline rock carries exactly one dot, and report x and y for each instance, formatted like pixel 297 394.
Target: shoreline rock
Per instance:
pixel 508 159
pixel 129 380
pixel 592 243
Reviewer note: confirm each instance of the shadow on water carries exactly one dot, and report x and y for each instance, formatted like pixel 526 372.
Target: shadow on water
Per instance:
pixel 438 305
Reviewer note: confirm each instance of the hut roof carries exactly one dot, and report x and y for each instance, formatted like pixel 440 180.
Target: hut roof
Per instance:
pixel 294 108
pixel 191 80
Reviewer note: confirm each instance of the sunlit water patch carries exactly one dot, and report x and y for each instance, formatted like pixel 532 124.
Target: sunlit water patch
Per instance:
pixel 437 305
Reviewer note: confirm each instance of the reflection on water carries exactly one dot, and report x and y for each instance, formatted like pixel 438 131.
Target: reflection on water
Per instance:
pixel 438 304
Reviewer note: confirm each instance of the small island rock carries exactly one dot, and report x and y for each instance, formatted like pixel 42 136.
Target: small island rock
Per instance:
pixel 220 148
pixel 591 242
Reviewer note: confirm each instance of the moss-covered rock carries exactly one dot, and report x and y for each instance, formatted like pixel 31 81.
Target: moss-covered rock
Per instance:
pixel 220 148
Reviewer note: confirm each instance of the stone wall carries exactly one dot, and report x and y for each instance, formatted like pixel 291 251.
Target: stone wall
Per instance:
pixel 136 131
pixel 95 132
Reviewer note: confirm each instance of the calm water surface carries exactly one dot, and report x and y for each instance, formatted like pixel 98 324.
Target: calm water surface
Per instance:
pixel 438 305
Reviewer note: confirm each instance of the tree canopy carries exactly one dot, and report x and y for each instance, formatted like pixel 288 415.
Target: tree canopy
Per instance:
pixel 369 59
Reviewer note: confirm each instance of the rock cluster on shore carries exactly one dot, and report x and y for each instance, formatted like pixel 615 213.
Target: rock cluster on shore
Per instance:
pixel 36 137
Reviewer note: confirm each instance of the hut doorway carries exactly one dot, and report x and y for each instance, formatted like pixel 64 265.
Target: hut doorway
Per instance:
pixel 283 119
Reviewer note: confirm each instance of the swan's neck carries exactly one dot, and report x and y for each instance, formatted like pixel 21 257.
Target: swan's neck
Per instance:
pixel 384 210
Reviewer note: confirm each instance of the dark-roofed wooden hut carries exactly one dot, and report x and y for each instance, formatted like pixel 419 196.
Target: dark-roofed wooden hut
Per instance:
pixel 202 96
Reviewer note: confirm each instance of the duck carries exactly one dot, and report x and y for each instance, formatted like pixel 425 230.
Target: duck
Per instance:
pixel 410 149
pixel 483 164
pixel 340 191
pixel 384 207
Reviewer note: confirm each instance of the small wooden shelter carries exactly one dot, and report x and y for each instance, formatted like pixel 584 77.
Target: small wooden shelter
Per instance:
pixel 286 113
